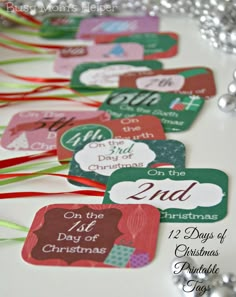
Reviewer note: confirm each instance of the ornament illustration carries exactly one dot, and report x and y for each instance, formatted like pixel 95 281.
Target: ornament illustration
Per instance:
pixel 136 221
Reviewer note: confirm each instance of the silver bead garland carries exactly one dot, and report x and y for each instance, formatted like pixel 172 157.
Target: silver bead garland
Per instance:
pixel 227 102
pixel 217 285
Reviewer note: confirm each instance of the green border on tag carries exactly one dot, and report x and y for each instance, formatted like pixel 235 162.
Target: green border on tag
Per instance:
pixel 152 43
pixel 76 84
pixel 177 112
pixel 196 215
pixel 166 151
pixel 67 31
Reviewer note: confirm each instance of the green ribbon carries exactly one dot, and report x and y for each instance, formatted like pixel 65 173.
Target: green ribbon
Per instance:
pixel 17 19
pixel 36 174
pixel 23 46
pixel 20 32
pixel 11 225
pixel 25 60
pixel 21 239
pixel 17 168
pixel 19 86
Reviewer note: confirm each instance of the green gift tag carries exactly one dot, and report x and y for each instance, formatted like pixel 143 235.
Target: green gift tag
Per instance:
pixel 106 75
pixel 156 45
pixel 64 27
pixel 98 160
pixel 181 195
pixel 176 111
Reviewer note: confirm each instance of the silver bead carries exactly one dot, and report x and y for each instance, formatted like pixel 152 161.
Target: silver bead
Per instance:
pixel 217 19
pixel 221 6
pixel 234 74
pixel 227 103
pixel 215 281
pixel 229 278
pixel 224 35
pixel 233 37
pixel 227 49
pixel 232 88
pixel 213 2
pixel 215 44
pixel 223 291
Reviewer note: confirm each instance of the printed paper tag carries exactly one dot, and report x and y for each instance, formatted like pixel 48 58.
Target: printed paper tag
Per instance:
pixel 176 111
pixel 141 127
pixel 111 236
pixel 106 75
pixel 64 27
pixel 182 195
pixel 98 160
pixel 37 130
pixel 92 27
pixel 100 52
pixel 156 45
pixel 191 81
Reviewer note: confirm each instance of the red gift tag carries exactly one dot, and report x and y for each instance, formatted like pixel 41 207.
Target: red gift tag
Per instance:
pixel 139 127
pixel 190 81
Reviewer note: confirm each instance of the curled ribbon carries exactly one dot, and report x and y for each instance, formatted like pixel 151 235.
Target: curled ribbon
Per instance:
pixel 83 180
pixel 25 96
pixel 14 226
pixel 19 160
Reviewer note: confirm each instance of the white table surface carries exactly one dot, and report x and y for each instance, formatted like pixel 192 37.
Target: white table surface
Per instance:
pixel 210 143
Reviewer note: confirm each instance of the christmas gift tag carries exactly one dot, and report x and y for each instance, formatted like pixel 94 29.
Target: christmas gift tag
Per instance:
pixel 141 127
pixel 36 130
pixel 92 27
pixel 109 236
pixel 156 45
pixel 64 27
pixel 182 195
pixel 69 57
pixel 192 81
pixel 176 111
pixel 106 75
pixel 97 160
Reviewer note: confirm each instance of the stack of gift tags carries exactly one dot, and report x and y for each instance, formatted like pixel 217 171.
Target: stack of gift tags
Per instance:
pixel 122 146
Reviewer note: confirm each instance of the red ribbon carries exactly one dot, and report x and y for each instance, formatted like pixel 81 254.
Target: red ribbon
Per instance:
pixel 35 79
pixel 41 89
pixel 19 160
pixel 34 194
pixel 39 45
pixel 90 104
pixel 23 96
pixel 17 49
pixel 83 180
pixel 22 14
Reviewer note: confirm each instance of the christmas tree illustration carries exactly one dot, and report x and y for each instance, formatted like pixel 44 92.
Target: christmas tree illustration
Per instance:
pixel 21 142
pixel 116 51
